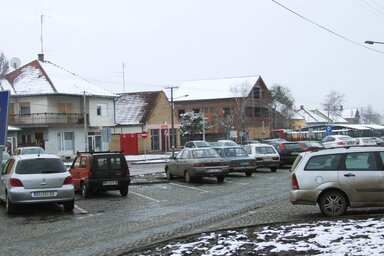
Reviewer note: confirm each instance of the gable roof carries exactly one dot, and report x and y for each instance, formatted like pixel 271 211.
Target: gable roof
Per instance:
pixel 317 116
pixel 135 107
pixel 44 77
pixel 218 88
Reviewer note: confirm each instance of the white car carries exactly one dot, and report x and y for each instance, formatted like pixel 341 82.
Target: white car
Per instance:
pixel 226 143
pixel 266 155
pixel 364 141
pixel 33 179
pixel 334 141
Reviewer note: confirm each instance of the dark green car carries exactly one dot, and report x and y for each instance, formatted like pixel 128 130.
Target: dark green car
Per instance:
pixel 238 159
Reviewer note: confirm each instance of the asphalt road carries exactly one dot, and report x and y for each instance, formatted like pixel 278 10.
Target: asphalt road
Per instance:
pixel 155 210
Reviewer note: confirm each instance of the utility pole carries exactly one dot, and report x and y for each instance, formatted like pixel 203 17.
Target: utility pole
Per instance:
pixel 85 124
pixel 172 121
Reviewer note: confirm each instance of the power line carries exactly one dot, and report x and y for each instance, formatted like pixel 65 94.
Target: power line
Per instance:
pixel 326 29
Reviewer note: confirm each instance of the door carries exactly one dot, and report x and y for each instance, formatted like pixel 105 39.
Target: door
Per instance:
pixel 94 143
pixel 362 177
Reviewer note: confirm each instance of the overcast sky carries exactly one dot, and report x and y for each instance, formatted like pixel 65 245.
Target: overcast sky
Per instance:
pixel 165 42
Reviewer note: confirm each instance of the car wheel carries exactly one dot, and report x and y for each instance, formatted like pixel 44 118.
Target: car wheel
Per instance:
pixel 68 206
pixel 187 177
pixel 220 179
pixel 248 173
pixel 169 175
pixel 124 191
pixel 10 208
pixel 273 169
pixel 84 190
pixel 333 203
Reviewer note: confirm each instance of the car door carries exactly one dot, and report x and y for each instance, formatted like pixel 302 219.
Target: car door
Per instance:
pixel 361 175
pixel 4 177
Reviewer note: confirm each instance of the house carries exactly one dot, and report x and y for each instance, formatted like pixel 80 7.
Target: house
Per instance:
pixel 57 109
pixel 235 108
pixel 148 112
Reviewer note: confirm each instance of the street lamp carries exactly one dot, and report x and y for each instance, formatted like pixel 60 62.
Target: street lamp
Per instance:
pixel 373 42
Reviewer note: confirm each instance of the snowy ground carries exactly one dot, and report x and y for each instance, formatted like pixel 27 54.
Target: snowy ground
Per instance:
pixel 153 158
pixel 343 237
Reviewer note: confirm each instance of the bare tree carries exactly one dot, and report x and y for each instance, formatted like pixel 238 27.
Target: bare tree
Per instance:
pixel 333 104
pixel 282 106
pixel 370 116
pixel 4 65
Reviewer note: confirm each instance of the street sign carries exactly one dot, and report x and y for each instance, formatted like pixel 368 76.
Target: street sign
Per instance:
pixel 144 135
pixel 4 102
pixel 328 130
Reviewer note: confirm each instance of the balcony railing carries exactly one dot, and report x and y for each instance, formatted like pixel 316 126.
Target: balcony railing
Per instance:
pixel 47 119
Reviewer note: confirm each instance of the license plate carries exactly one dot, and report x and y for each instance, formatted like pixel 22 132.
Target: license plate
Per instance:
pixel 244 163
pixel 44 194
pixel 213 170
pixel 110 182
pixel 295 153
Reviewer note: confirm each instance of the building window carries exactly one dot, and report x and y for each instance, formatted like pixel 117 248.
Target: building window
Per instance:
pixel 65 141
pixel 226 112
pixel 155 139
pixel 256 93
pixel 25 108
pixel 26 138
pixel 196 110
pixel 181 112
pixel 248 111
pixel 101 110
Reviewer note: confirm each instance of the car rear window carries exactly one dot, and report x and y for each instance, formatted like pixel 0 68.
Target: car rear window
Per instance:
pixel 233 152
pixel 110 162
pixel 40 165
pixel 292 146
pixel 205 153
pixel 265 150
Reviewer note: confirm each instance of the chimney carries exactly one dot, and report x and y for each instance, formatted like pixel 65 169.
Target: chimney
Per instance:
pixel 302 107
pixel 40 57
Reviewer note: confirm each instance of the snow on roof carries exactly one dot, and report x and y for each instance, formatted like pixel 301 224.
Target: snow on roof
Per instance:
pixel 216 88
pixel 349 113
pixel 44 77
pixel 133 108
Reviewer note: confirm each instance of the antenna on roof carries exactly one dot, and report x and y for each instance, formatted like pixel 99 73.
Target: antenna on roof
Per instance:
pixel 15 63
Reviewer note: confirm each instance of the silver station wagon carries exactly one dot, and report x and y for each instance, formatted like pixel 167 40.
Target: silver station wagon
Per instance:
pixel 31 179
pixel 339 178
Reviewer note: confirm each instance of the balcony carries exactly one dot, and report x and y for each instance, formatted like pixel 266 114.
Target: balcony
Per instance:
pixel 47 119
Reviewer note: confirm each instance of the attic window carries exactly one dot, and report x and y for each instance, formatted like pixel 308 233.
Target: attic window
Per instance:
pixel 256 93
pixel 101 109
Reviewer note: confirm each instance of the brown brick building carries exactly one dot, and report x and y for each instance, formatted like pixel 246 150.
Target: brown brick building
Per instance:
pixel 232 106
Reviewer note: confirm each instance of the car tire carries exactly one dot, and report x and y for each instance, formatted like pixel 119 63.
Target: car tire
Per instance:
pixel 220 179
pixel 124 191
pixel 68 206
pixel 333 203
pixel 84 190
pixel 10 207
pixel 248 173
pixel 273 169
pixel 187 177
pixel 168 174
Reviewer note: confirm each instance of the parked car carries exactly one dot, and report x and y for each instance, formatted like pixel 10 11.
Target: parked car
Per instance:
pixel 32 179
pixel 192 163
pixel 338 178
pixel 365 141
pixel 379 141
pixel 246 142
pixel 228 143
pixel 29 150
pixel 197 144
pixel 238 159
pixel 288 151
pixel 333 141
pixel 6 156
pixel 311 145
pixel 100 171
pixel 266 155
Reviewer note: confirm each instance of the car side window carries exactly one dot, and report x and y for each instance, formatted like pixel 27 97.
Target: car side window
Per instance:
pixel 8 167
pixel 76 163
pixel 186 154
pixel 324 162
pixel 83 162
pixel 361 161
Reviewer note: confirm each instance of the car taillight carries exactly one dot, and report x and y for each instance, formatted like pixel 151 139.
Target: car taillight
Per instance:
pixel 128 172
pixel 340 143
pixel 68 180
pixel 15 182
pixel 294 183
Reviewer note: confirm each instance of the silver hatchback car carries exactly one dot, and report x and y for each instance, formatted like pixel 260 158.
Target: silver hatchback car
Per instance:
pixel 339 178
pixel 30 179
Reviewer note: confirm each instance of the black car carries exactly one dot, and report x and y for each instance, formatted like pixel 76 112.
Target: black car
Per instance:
pixel 288 151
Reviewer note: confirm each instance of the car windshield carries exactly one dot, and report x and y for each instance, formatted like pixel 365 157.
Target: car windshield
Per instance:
pixel 265 150
pixel 235 152
pixel 205 153
pixel 39 166
pixel 33 151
